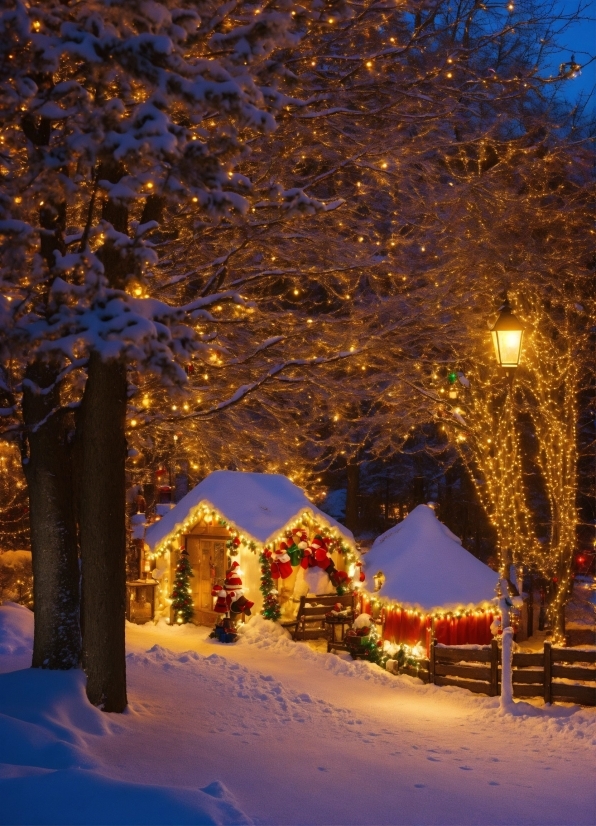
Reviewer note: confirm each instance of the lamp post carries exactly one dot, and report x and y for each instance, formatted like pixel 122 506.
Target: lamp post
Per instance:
pixel 507 335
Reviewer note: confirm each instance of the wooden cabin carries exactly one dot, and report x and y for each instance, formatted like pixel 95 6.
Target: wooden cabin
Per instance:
pixel 236 516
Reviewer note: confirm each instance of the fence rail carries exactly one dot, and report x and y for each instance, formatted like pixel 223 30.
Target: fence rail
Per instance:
pixel 551 674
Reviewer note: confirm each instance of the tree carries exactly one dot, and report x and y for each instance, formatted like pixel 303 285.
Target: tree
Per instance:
pixel 357 281
pixel 520 445
pixel 181 594
pixel 138 113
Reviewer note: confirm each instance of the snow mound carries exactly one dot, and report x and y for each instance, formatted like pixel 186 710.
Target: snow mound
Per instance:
pixel 265 634
pixel 14 559
pixel 262 632
pixel 47 773
pixel 16 629
pixel 76 796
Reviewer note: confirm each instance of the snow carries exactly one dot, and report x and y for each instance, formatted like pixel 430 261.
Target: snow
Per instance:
pixel 16 630
pixel 270 731
pixel 259 505
pixel 14 559
pixel 425 565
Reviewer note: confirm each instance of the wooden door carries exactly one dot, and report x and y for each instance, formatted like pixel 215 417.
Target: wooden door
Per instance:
pixel 208 560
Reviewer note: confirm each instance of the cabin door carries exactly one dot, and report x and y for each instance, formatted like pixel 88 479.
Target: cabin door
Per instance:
pixel 207 559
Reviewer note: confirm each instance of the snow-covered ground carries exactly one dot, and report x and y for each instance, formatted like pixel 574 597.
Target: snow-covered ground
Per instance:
pixel 271 732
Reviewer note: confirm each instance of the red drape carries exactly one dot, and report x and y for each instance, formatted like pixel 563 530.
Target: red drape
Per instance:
pixel 399 626
pixel 462 630
pixel 364 604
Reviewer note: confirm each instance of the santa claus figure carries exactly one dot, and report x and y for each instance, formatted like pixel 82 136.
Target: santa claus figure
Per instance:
pixel 221 604
pixel 241 605
pixel 233 577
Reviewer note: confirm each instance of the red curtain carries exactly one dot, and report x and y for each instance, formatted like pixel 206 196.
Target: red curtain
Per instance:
pixel 428 634
pixel 442 631
pixel 399 626
pixel 472 630
pixel 364 604
pixel 462 631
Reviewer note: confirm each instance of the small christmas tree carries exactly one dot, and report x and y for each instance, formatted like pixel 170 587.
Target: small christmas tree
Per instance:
pixel 271 609
pixel 181 594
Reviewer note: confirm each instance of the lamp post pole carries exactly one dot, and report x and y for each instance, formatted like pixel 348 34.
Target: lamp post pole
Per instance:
pixel 507 334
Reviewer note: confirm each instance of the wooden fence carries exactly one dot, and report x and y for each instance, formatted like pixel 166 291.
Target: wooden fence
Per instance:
pixel 563 674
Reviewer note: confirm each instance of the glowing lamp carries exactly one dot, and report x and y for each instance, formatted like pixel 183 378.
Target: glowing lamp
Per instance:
pixel 507 333
pixel 379 580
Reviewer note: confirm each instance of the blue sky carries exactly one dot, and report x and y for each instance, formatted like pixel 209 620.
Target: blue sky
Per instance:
pixel 580 39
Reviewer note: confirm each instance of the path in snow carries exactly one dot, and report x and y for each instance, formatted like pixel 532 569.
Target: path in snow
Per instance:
pixel 299 737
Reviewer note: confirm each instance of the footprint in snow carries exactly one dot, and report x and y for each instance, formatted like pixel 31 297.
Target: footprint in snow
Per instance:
pixel 492 783
pixel 466 768
pixel 434 759
pixel 419 786
pixel 322 769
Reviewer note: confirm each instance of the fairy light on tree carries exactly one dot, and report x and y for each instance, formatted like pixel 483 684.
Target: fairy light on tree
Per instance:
pixel 155 213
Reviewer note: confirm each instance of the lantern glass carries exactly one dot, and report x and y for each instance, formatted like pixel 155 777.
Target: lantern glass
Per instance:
pixel 507 344
pixel 507 334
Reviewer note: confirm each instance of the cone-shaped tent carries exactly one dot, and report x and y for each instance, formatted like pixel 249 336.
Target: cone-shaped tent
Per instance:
pixel 432 585
pixel 426 567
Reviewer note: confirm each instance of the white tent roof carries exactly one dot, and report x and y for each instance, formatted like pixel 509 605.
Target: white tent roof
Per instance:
pixel 425 565
pixel 259 505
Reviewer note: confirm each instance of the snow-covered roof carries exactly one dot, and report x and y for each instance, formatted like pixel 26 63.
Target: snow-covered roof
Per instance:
pixel 425 565
pixel 259 505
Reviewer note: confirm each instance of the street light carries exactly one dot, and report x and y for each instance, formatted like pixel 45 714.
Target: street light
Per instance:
pixel 507 333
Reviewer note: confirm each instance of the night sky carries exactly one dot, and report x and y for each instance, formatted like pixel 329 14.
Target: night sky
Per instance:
pixel 580 39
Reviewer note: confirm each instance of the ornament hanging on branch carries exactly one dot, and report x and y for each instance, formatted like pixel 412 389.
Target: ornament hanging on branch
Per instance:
pixel 452 379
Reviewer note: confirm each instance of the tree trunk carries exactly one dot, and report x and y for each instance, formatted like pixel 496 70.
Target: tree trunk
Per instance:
pixel 353 470
pixel 56 576
pixel 103 531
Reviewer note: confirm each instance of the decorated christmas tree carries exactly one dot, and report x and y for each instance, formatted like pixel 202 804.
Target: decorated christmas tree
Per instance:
pixel 271 608
pixel 182 604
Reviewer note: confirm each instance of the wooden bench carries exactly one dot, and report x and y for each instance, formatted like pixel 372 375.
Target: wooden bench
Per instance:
pixel 310 619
